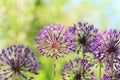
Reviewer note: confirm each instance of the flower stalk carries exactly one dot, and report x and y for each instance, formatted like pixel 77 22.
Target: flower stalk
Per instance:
pixel 54 68
pixel 100 68
pixel 83 59
pixel 112 66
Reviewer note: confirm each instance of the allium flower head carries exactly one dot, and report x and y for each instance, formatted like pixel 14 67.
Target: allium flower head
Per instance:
pixel 54 41
pixel 117 67
pixel 83 33
pixel 16 61
pixel 106 45
pixel 108 71
pixel 112 70
pixel 106 77
pixel 73 70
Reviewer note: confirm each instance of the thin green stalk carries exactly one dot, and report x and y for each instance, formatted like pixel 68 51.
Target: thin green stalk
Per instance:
pixel 100 68
pixel 112 67
pixel 83 59
pixel 54 68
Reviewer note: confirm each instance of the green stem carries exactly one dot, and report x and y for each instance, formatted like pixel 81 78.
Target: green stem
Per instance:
pixel 112 67
pixel 54 68
pixel 100 68
pixel 83 59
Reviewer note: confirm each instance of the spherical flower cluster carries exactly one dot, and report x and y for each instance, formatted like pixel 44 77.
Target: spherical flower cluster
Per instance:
pixel 106 45
pixel 54 41
pixel 117 67
pixel 16 61
pixel 83 33
pixel 112 70
pixel 73 70
pixel 106 77
pixel 108 72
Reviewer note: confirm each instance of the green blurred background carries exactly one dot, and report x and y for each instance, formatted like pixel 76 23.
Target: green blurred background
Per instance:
pixel 21 20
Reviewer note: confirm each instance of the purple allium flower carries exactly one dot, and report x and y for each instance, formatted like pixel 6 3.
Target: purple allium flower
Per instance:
pixel 109 73
pixel 73 70
pixel 83 33
pixel 106 45
pixel 52 41
pixel 106 77
pixel 117 67
pixel 16 61
pixel 112 70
